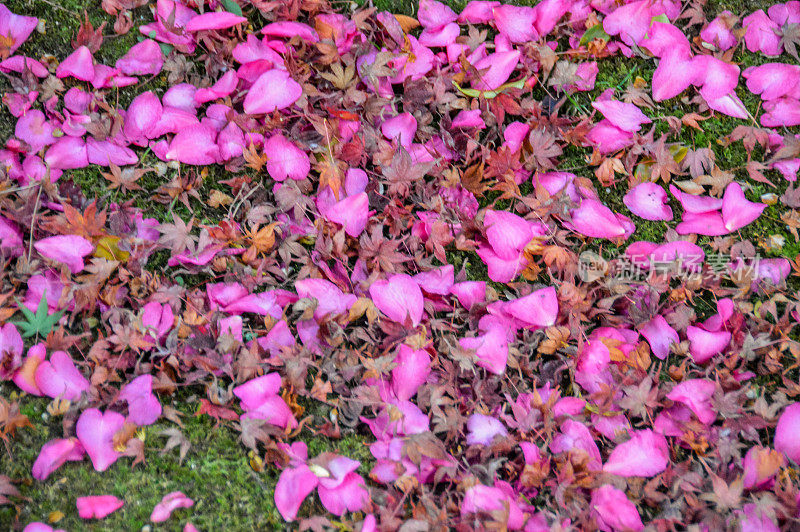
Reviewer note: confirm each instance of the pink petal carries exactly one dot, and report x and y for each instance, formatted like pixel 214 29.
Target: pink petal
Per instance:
pixel 224 86
pixel 351 495
pixel 498 67
pixel 95 431
pixel 516 23
pixel 703 344
pixel 79 64
pixel 664 38
pixel 608 138
pixel 214 21
pixel 781 112
pixel 762 34
pixel 773 80
pixel 469 292
pixel 399 298
pixel 16 27
pixel 143 406
pixel 402 127
pixel 331 301
pixel 98 506
pixel 630 21
pixel 288 29
pixel 433 14
pixel 595 220
pixel 487 499
pixel 548 13
pixel 737 211
pixel 171 502
pixel 575 436
pixel 67 153
pixel 625 116
pixel 294 485
pixel 707 223
pixel 787 433
pixel 106 152
pixel 143 114
pixel 648 201
pixel 438 281
pixel 719 33
pixel 143 59
pixel 469 119
pixel 613 510
pixel 285 159
pixel 194 145
pixel 273 90
pixel 53 455
pixel 660 336
pixel 25 376
pixel 491 346
pixel 255 391
pixel 696 395
pixel 507 233
pixel 352 213
pixel 444 36
pixel 537 309
pixel 411 372
pixel 483 429
pixel 717 78
pixel 69 249
pixel 59 378
pixel 730 105
pixel 674 74
pixel 646 454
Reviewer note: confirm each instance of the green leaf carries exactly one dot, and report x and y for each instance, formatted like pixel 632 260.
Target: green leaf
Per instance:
pixel 660 18
pixel 475 93
pixel 39 323
pixel 232 7
pixel 595 32
pixel 165 48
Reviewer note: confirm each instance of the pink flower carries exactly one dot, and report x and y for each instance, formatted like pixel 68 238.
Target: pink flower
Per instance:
pixel 98 506
pixel 646 454
pixel 95 431
pixel 171 502
pixel 787 433
pixel 399 298
pixel 69 249
pixel 53 455
pixel 613 511
pixel 339 487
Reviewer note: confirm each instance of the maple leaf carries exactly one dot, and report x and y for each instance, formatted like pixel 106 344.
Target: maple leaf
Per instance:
pixel 11 419
pixel 124 178
pixel 40 323
pixel 177 235
pixel 699 161
pixel 544 148
pixel 88 36
pixel 341 78
pixel 175 438
pixel 402 173
pixel 790 38
pixel 7 489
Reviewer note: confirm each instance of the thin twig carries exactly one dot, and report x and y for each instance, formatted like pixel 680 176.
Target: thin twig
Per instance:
pixel 33 217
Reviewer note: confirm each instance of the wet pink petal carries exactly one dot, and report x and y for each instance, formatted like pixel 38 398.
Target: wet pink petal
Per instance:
pixel 399 298
pixel 696 395
pixel 707 223
pixel 171 502
pixel 95 431
pixel 787 433
pixel 68 249
pixel 469 119
pixel 433 14
pixel 53 455
pixel 648 201
pixel 285 159
pixel 469 292
pixel 664 38
pixel 483 429
pixel 762 34
pixel 67 153
pixel 143 406
pixel 98 506
pixel 273 90
pixel 79 64
pixel 608 138
pixel 349 496
pixel 715 77
pixel 59 378
pixel 143 59
pixel 737 211
pixel 491 346
pixel 703 345
pixel 613 511
pixel 674 74
pixel 288 29
pixel 294 485
pixel 218 20
pixel 646 454
pixel 142 117
pixel 660 336
pixel 625 116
